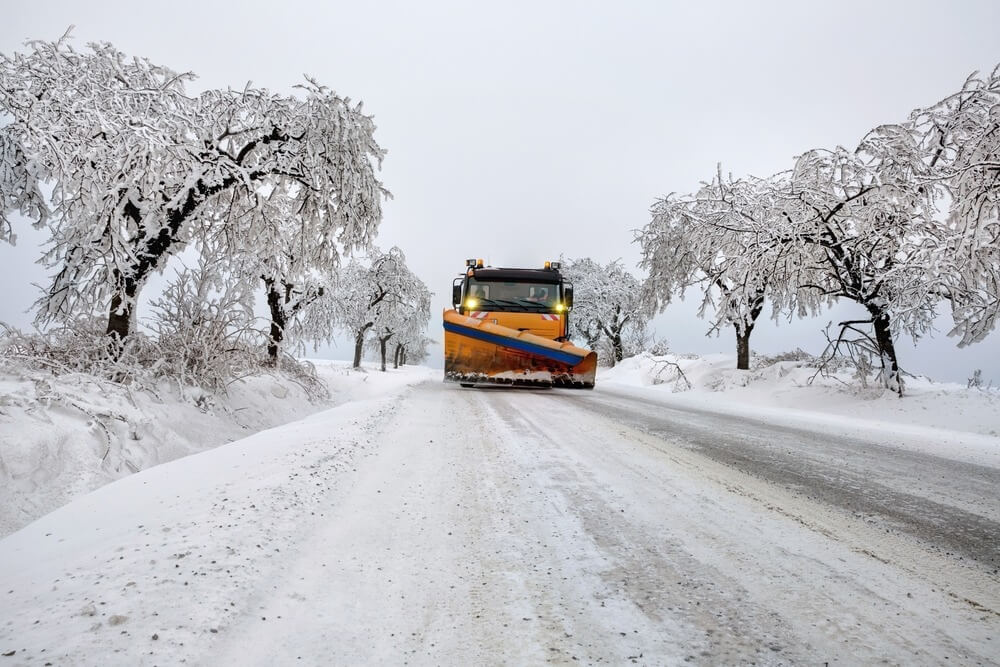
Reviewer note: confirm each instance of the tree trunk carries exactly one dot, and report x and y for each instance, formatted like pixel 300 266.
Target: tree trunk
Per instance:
pixel 382 341
pixel 359 343
pixel 886 350
pixel 743 339
pixel 614 338
pixel 614 333
pixel 743 347
pixel 396 354
pixel 120 316
pixel 277 307
pixel 617 349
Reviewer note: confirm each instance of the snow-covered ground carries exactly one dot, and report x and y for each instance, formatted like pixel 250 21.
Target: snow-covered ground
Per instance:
pixel 931 416
pixel 64 435
pixel 426 524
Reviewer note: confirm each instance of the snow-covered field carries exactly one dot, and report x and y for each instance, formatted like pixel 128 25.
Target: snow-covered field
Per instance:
pixel 425 524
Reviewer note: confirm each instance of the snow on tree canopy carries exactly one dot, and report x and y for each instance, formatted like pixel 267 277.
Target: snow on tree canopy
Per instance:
pixel 962 135
pixel 141 168
pixel 719 240
pixel 607 312
pixel 377 295
pixel 18 186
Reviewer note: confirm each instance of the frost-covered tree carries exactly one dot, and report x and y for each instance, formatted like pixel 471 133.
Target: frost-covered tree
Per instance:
pixel 862 224
pixel 607 308
pixel 961 136
pixel 402 316
pixel 295 253
pixel 376 296
pixel 411 349
pixel 140 168
pixel 103 129
pixel 203 325
pixel 718 242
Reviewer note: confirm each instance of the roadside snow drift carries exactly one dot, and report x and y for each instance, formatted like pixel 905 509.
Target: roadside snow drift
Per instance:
pixel 147 565
pixel 931 416
pixel 64 435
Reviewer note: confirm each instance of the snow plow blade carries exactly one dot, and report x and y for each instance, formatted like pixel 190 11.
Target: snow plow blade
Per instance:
pixel 479 352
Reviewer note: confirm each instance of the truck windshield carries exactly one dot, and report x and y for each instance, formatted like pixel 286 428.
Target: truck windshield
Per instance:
pixel 497 295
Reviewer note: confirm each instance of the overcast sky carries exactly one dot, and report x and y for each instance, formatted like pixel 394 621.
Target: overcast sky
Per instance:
pixel 519 131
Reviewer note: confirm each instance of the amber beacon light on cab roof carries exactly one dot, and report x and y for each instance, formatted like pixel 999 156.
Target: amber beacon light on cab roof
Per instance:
pixel 511 326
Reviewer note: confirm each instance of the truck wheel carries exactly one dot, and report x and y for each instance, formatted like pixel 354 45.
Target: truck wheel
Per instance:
pixel 467 385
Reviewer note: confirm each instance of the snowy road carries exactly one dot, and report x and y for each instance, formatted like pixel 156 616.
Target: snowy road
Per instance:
pixel 949 505
pixel 522 527
pixel 533 526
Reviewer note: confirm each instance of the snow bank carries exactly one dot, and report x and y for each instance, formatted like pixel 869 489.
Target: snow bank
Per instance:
pixel 155 564
pixel 63 436
pixel 931 416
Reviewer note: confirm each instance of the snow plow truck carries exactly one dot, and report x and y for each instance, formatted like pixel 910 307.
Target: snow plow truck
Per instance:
pixel 511 327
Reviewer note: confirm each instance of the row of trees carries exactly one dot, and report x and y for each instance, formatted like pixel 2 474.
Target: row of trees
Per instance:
pixel 381 304
pixel 125 169
pixel 906 220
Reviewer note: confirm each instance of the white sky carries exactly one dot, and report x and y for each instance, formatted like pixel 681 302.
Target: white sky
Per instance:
pixel 520 131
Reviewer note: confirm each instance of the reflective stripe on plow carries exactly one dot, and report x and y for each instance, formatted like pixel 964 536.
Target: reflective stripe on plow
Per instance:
pixel 515 344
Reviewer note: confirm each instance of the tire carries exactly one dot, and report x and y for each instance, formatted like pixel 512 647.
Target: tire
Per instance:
pixel 467 385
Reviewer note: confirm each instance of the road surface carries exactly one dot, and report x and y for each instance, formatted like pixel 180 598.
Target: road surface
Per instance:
pixel 521 527
pixel 498 526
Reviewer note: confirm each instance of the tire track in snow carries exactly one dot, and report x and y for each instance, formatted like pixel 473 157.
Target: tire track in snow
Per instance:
pixel 441 553
pixel 689 612
pixel 842 602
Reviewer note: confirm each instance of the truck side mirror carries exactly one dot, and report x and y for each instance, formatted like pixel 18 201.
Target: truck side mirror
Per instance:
pixel 568 295
pixel 456 292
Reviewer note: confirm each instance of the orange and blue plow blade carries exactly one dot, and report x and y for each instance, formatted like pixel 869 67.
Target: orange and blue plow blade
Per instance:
pixel 477 351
